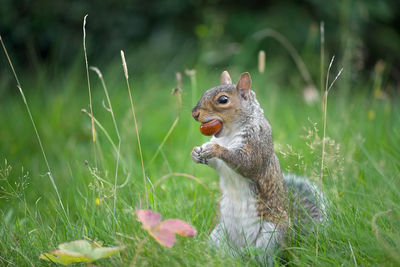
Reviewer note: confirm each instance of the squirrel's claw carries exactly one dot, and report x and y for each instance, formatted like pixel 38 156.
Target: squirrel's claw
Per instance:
pixel 196 155
pixel 201 154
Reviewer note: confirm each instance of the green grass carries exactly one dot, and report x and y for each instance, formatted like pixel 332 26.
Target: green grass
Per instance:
pixel 361 180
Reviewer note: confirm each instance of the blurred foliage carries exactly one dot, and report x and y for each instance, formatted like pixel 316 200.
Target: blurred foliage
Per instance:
pixel 213 32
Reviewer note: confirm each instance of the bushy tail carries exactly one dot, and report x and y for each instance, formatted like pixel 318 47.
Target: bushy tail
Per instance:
pixel 307 203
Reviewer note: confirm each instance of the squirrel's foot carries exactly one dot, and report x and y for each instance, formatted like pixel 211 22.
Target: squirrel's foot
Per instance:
pixel 203 154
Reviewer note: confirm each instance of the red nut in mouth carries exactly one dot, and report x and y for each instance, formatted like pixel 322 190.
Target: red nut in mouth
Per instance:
pixel 212 127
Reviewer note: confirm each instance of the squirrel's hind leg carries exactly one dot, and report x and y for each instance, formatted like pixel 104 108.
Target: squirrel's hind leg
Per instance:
pixel 219 239
pixel 268 243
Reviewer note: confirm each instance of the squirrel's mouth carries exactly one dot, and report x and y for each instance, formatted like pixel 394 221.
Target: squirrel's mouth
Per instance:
pixel 212 127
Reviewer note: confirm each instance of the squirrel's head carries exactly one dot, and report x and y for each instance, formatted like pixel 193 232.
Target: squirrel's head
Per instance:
pixel 221 108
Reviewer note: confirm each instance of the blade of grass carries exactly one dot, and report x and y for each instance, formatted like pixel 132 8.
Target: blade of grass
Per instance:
pixel 7 261
pixel 171 129
pixel 88 78
pixel 322 63
pixel 352 253
pixel 110 109
pixel 37 136
pixel 177 174
pixel 125 67
pixel 101 127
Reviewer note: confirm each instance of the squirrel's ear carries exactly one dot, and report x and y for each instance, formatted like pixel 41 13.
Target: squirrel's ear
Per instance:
pixel 244 84
pixel 225 78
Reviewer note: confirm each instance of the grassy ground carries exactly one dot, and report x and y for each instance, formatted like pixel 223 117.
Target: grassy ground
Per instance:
pixel 361 178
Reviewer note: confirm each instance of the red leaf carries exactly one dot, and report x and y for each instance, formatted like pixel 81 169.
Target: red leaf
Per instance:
pixel 164 232
pixel 178 227
pixel 163 236
pixel 148 218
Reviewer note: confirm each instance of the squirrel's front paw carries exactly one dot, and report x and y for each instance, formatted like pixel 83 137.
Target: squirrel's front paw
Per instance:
pixel 196 155
pixel 203 153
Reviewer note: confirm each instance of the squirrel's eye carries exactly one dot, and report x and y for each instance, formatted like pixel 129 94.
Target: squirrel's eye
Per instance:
pixel 223 99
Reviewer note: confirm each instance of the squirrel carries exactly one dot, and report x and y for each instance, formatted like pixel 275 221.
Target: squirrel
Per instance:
pixel 255 207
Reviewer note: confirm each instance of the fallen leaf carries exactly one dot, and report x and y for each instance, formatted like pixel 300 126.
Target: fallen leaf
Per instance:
pixel 163 236
pixel 148 218
pixel 164 232
pixel 79 251
pixel 178 227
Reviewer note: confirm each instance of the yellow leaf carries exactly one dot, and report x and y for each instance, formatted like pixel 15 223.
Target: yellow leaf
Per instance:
pixel 79 251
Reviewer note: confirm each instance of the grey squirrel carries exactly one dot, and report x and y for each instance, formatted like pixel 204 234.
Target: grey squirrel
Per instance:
pixel 258 204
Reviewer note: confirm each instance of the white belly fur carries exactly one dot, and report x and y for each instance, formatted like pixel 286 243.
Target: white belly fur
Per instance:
pixel 238 207
pixel 239 222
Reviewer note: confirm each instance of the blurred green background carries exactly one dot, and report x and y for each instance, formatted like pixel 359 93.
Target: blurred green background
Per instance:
pixel 160 38
pixel 168 35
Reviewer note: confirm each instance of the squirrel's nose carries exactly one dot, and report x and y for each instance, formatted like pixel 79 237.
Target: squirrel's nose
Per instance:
pixel 196 114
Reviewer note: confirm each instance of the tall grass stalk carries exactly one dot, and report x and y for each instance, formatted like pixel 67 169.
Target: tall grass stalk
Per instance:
pixel 49 173
pixel 110 109
pixel 325 104
pixel 88 79
pixel 322 63
pixel 125 67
